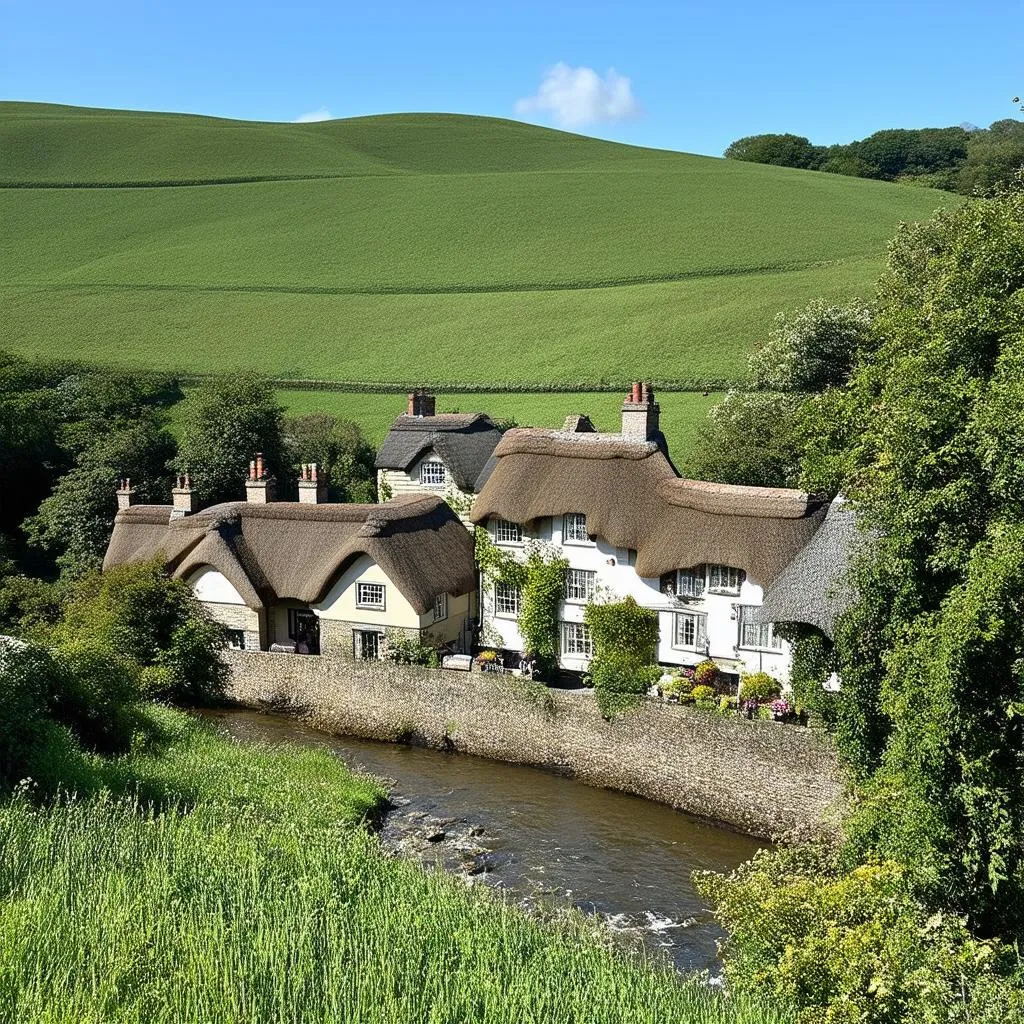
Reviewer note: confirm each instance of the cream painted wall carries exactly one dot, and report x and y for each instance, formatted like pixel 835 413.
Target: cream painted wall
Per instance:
pixel 459 609
pixel 214 587
pixel 340 601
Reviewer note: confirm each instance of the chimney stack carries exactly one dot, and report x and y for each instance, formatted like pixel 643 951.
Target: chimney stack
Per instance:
pixel 259 488
pixel 125 494
pixel 640 413
pixel 420 403
pixel 184 499
pixel 312 485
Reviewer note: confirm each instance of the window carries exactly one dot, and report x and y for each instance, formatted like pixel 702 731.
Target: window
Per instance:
pixel 724 579
pixel 576 642
pixel 440 607
pixel 236 639
pixel 432 473
pixel 366 644
pixel 755 634
pixel 507 533
pixel 304 629
pixel 579 584
pixel 690 582
pixel 574 529
pixel 370 595
pixel 506 599
pixel 690 631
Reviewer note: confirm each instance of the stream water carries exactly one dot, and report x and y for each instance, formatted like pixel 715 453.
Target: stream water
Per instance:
pixel 539 834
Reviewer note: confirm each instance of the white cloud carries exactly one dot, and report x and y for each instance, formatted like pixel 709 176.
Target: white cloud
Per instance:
pixel 323 114
pixel 579 96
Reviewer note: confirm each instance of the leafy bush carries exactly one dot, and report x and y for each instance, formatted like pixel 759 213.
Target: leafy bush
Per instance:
pixel 704 696
pixel 625 638
pixel 404 649
pixel 25 683
pixel 706 673
pixel 759 686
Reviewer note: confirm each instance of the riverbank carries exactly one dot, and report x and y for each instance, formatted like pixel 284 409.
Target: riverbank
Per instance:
pixel 237 885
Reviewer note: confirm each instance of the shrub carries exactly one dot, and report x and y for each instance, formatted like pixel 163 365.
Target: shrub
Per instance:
pixel 625 638
pixel 759 686
pixel 404 649
pixel 26 677
pixel 704 696
pixel 619 681
pixel 706 673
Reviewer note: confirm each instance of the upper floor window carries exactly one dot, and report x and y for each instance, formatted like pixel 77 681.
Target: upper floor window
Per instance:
pixel 690 582
pixel 724 579
pixel 755 634
pixel 690 631
pixel 576 640
pixel 370 595
pixel 440 607
pixel 579 584
pixel 507 533
pixel 574 529
pixel 433 473
pixel 506 599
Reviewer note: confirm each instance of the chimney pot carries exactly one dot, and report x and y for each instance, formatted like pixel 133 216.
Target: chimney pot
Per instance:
pixel 635 393
pixel 184 499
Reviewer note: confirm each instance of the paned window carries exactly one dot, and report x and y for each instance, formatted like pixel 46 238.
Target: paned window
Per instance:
pixel 690 631
pixel 507 533
pixel 574 529
pixel 432 473
pixel 236 639
pixel 579 584
pixel 440 607
pixel 576 642
pixel 366 644
pixel 370 595
pixel 690 582
pixel 724 579
pixel 506 599
pixel 755 634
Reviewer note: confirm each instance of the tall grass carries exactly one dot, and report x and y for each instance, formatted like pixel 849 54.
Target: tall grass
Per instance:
pixel 257 898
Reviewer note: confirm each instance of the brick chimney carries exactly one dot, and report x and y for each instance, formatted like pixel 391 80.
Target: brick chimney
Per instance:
pixel 420 403
pixel 640 413
pixel 125 494
pixel 312 485
pixel 184 499
pixel 259 487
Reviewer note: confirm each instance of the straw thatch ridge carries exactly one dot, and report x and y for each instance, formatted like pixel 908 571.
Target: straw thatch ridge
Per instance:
pixel 814 588
pixel 462 441
pixel 633 498
pixel 288 550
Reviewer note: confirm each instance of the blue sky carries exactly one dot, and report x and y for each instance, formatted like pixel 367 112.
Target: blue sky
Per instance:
pixel 690 76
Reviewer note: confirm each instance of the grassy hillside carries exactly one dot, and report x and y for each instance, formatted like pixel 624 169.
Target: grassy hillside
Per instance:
pixel 417 246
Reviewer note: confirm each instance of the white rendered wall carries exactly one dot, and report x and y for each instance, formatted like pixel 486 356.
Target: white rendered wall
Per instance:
pixel 340 601
pixel 213 587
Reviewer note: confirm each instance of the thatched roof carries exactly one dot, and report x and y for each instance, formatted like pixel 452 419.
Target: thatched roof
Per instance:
pixel 290 550
pixel 813 588
pixel 633 498
pixel 462 441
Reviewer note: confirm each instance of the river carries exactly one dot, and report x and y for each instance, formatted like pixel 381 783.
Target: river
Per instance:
pixel 540 834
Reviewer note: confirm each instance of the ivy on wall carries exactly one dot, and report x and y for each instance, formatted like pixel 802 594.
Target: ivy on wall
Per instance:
pixel 624 666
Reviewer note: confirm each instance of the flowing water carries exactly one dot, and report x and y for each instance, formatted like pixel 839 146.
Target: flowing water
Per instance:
pixel 539 834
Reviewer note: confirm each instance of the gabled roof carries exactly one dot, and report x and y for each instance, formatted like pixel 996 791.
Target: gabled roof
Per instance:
pixel 290 550
pixel 633 498
pixel 813 588
pixel 463 442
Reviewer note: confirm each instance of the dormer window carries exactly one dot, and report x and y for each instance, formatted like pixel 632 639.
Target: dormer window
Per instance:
pixel 725 579
pixel 507 533
pixel 433 473
pixel 574 529
pixel 690 582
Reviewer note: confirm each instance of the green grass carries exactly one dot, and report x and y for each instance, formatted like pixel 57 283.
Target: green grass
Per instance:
pixel 260 900
pixel 402 247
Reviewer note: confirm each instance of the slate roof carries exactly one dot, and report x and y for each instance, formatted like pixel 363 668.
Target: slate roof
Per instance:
pixel 463 442
pixel 813 589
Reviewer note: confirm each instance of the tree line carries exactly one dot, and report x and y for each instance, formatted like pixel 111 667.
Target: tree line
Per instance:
pixel 957 159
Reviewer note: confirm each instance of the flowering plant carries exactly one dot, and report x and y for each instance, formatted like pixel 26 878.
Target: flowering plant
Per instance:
pixel 781 708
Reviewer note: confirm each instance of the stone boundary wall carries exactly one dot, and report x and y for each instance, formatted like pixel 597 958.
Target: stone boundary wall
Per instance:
pixel 764 778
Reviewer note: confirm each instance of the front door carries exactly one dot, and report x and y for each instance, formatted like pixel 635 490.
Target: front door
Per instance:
pixel 367 644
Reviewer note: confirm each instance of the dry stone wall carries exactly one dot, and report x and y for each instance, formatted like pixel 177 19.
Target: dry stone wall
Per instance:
pixel 765 778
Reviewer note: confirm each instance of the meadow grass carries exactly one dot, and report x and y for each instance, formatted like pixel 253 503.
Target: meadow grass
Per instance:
pixel 437 246
pixel 258 898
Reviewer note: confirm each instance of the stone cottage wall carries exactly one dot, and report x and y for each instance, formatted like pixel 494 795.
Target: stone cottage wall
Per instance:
pixel 761 777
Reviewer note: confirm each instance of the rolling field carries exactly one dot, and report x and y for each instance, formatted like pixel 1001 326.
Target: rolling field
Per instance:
pixel 431 247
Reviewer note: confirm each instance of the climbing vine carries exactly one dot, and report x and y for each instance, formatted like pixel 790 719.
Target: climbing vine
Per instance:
pixel 625 639
pixel 540 578
pixel 813 662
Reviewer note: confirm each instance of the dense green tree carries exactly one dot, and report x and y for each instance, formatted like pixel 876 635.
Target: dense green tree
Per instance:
pixel 338 447
pixel 224 424
pixel 781 150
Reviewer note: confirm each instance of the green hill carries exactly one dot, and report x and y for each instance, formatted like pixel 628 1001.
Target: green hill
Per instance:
pixel 411 247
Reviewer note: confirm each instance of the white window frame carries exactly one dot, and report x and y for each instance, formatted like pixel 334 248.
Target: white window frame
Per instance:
pixel 573 525
pixel 511 598
pixel 576 640
pixel 725 579
pixel 440 607
pixel 765 631
pixel 371 603
pixel 576 593
pixel 695 582
pixel 513 532
pixel 357 643
pixel 433 464
pixel 700 631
